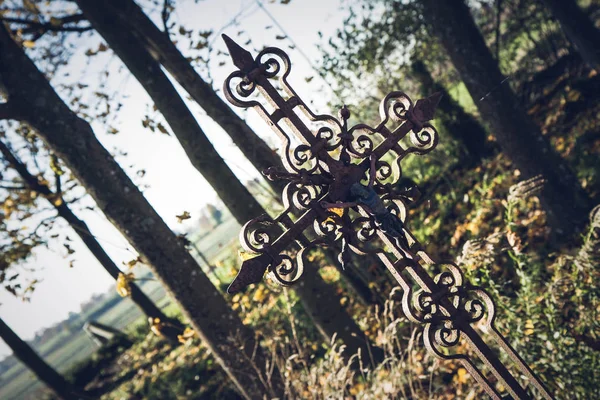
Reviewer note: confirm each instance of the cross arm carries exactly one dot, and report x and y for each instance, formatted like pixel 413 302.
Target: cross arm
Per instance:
pixel 422 112
pixel 252 270
pixel 273 173
pixel 339 204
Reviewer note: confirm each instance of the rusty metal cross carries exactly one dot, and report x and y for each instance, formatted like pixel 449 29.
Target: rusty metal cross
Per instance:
pixel 342 184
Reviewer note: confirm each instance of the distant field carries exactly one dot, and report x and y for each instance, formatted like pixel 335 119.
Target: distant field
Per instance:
pixel 66 349
pixel 212 245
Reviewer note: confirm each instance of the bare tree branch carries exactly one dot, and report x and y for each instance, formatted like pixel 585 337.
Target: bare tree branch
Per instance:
pixel 19 166
pixel 45 223
pixel 39 28
pixel 6 187
pixel 58 184
pixel 165 14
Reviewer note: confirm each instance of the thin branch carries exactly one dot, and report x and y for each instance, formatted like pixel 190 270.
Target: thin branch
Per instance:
pixel 29 179
pixel 45 223
pixel 34 155
pixel 58 21
pixel 77 199
pixel 13 187
pixel 56 25
pixel 58 184
pixel 165 14
pixel 57 176
pixel 66 28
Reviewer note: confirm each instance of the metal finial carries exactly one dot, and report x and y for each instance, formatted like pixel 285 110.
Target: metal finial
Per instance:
pixel 344 113
pixel 240 56
pixel 252 271
pixel 425 108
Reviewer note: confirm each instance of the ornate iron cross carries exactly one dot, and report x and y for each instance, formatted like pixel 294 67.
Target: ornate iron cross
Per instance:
pixel 342 184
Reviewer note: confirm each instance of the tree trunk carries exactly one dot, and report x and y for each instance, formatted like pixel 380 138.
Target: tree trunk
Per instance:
pixel 578 28
pixel 150 75
pixel 563 198
pixel 330 317
pixel 244 207
pixel 164 51
pixel 462 126
pixel 82 230
pixel 34 362
pixel 233 345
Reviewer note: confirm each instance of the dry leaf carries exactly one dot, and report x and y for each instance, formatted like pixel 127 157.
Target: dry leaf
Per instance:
pixel 124 284
pixel 529 328
pixel 185 215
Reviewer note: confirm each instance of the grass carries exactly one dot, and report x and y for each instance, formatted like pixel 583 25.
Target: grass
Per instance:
pixel 20 382
pixel 68 348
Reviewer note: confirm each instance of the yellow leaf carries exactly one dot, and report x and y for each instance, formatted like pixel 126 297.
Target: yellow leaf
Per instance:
pixel 187 334
pixel 156 329
pixel 462 375
pixel 260 294
pixel 124 284
pixel 330 274
pixel 134 262
pixel 55 166
pixel 529 328
pixel 28 44
pixel 573 95
pixel 338 211
pixel 185 215
pixel 356 389
pixel 245 300
pixel 329 219
pixel 244 255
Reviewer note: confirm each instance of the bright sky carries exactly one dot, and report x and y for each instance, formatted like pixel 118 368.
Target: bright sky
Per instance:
pixel 175 185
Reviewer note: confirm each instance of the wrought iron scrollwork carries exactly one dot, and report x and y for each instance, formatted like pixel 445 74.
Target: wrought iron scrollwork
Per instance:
pixel 327 165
